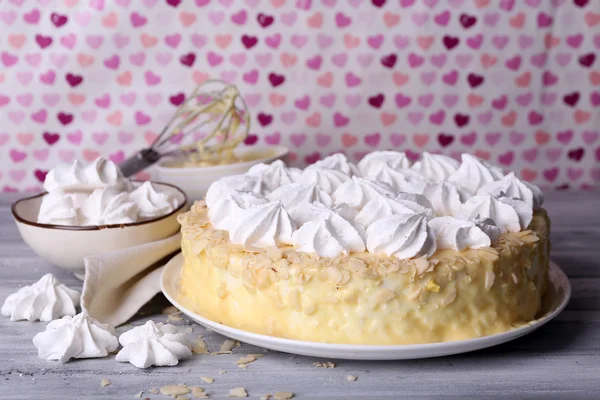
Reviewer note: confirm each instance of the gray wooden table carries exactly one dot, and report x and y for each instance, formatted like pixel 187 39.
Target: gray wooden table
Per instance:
pixel 560 360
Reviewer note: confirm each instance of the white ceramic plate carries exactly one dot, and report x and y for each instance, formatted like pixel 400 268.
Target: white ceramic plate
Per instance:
pixel 556 300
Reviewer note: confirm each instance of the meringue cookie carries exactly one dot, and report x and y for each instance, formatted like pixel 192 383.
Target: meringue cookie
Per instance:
pixel 484 206
pixel 458 234
pixel 402 180
pixel 357 192
pixel 45 300
pixel 330 235
pixel 99 174
pixel 274 175
pixel 474 173
pixel 394 159
pixel 435 167
pixel 297 195
pixel 80 336
pixel 511 186
pixel 109 206
pixel 382 207
pixel 152 203
pixel 338 162
pixel 402 236
pixel 445 197
pixel 326 179
pixel 153 344
pixel 222 187
pixel 262 225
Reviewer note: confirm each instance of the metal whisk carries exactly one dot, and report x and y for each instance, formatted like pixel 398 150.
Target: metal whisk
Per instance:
pixel 215 108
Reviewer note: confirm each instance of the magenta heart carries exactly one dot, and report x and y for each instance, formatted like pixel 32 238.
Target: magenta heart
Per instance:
pixel 544 20
pixel 575 40
pixel 539 60
pixel 299 41
pixel 426 100
pixel 500 102
pixel 141 118
pixel 500 41
pixel 273 41
pixel 188 59
pixel 375 41
pixel 8 59
pixel 524 99
pixel 397 139
pixel 328 100
pixel 51 137
pixel 322 140
pixel 32 17
pixel 117 157
pixel 265 119
pixel 342 20
pixel 468 139
pixel 415 60
pixel 506 158
pixel 437 117
pixel 64 118
pixel 298 139
pixel 112 62
pixel 389 60
pixel 451 77
pixel 492 138
pixel 402 100
pixel 17 156
pixel 277 79
pixel 173 40
pixel 312 63
pixel 102 101
pixel 352 80
pixel 251 77
pixel 535 118
pixel 273 139
pixel 340 59
pixel 595 99
pixel 491 19
pixel 516 138
pixel 530 155
pixel 302 103
pixel 564 137
pixel 151 78
pixel 340 120
pixel 576 154
pixel 445 140
pixel 137 20
pixel 58 20
pixel 43 41
pixel 39 116
pixel 513 63
pixel 450 100
pixel 373 139
pixel 443 18
pixel 590 137
pixel 475 42
pixel 75 137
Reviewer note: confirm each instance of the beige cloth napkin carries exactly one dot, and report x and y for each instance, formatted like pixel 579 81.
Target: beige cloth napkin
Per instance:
pixel 119 283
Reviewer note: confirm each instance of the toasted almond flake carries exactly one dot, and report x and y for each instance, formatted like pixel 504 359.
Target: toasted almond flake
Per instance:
pixel 257 355
pixel 283 395
pixel 226 347
pixel 265 397
pixel 200 347
pixel 415 294
pixel 432 286
pixel 198 392
pixel 489 279
pixel 514 278
pixel 246 360
pixel 422 265
pixel 237 392
pixel 530 239
pixel 139 395
pixel 222 371
pixel 170 310
pixel 105 382
pixel 154 390
pixel 450 297
pixel 174 390
pixel 334 275
pixel 175 317
pixel 385 296
pixel 350 378
pixel 242 366
pixel 326 364
pixel 207 379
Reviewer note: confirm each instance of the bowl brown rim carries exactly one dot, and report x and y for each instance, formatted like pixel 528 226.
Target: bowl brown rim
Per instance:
pixel 22 220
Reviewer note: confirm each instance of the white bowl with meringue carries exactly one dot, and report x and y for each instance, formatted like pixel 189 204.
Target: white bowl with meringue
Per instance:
pixel 94 210
pixel 195 180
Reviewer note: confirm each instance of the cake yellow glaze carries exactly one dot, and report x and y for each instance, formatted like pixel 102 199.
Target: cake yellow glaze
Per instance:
pixel 363 298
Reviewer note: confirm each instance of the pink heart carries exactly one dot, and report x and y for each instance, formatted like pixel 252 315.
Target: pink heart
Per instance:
pixel 216 17
pixel 228 76
pixel 419 18
pixel 153 99
pixel 288 117
pixel 75 137
pixel 17 156
pixel 128 98
pixel 365 59
pixel 439 60
pixel 58 60
pixel 41 155
pixel 273 139
pixel 415 117
pixel 485 118
pixel 17 175
pixel 214 59
pixel 397 139
pixel 288 18
pixel 198 40
pixel 328 100
pixel 324 41
pixel 238 59
pixel 253 99
pixel 163 58
pixel 141 118
pixel 23 99
pixel 565 137
pixel 39 116
pixel 89 116
pixel 322 140
pixel 302 103
pixel 353 100
pixel 340 59
pixel 340 120
pixel 530 155
pixel 298 139
pixel 24 77
pixel 33 59
pixel 125 137
pixel 4 138
pixel 450 100
pixel 428 77
pixel 426 100
pixel 516 138
pixel 94 41
pixel 468 139
pixel 251 77
pixel 117 157
pixel 83 18
pixel 373 139
pixel 120 40
pixel 492 138
pixel 553 154
pixel 69 41
pixel 299 41
pixel 590 137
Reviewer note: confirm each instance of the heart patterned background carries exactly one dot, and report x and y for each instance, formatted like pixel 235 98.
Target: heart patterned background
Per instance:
pixel 513 81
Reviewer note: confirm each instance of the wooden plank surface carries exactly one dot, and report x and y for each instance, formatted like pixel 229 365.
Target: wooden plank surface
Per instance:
pixel 560 360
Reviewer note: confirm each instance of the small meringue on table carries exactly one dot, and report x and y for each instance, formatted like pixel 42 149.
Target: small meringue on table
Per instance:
pixel 154 344
pixel 45 300
pixel 80 336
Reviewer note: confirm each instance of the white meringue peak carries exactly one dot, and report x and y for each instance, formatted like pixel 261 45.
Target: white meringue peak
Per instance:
pixel 511 186
pixel 357 192
pixel 382 207
pixel 273 175
pixel 402 236
pixel 224 186
pixel 326 179
pixel 435 167
pixel 109 206
pixel 262 225
pixel 401 180
pixel 394 159
pixel 485 206
pixel 458 234
pixel 474 173
pixel 328 235
pixel 80 336
pixel 45 300
pixel 299 194
pixel 338 162
pixel 76 177
pixel 152 203
pixel 224 212
pixel 154 344
pixel 445 197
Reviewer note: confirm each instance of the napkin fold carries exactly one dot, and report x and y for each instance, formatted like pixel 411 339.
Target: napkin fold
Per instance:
pixel 119 283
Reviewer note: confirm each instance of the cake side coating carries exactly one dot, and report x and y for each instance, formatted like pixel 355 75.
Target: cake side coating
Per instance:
pixel 364 298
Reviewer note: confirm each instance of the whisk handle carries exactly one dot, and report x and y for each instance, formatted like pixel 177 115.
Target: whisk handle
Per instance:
pixel 139 162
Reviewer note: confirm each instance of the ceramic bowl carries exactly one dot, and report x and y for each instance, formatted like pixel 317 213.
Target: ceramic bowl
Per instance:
pixel 66 246
pixel 195 180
